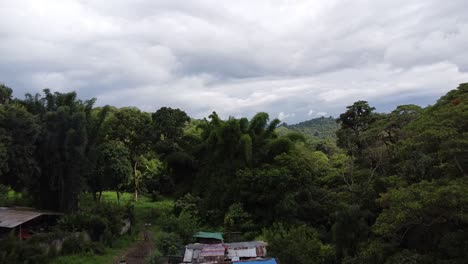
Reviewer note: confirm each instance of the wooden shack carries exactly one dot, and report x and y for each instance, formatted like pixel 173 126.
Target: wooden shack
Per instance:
pixel 204 253
pixel 219 253
pixel 246 250
pixel 25 221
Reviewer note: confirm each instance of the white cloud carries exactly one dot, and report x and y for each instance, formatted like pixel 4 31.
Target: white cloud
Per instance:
pixel 238 57
pixel 282 116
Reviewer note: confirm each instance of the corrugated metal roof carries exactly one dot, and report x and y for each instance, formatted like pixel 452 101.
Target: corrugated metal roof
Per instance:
pixel 214 235
pixel 262 261
pixel 195 246
pixel 11 218
pixel 249 244
pixel 212 250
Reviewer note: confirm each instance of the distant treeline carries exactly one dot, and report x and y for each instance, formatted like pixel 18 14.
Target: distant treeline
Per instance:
pixel 322 127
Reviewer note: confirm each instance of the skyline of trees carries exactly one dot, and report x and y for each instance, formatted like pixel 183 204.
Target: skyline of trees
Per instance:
pixel 391 188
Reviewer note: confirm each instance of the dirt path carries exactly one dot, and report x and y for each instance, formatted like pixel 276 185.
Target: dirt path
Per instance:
pixel 140 252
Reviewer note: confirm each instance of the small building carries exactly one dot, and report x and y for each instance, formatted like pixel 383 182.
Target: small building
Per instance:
pixel 209 237
pixel 204 253
pixel 25 221
pixel 225 252
pixel 246 250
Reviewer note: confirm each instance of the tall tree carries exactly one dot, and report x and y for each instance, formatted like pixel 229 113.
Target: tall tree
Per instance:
pixel 18 133
pixel 169 124
pixel 5 93
pixel 131 127
pixel 60 151
pixel 113 167
pixel 353 123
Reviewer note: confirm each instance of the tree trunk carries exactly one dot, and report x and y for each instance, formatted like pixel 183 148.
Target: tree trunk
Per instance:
pixel 459 166
pixel 118 197
pixel 136 182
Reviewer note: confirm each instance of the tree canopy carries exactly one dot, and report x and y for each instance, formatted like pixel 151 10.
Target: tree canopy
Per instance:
pixel 388 188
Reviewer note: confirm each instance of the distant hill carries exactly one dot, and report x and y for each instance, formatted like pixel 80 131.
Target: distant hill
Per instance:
pixel 322 127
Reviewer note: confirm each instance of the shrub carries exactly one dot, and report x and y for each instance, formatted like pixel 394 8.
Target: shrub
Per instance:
pixel 169 243
pixel 94 225
pixel 298 245
pixel 73 245
pixel 189 204
pixel 95 248
pixel 184 225
pixel 13 250
pixel 102 221
pixel 155 258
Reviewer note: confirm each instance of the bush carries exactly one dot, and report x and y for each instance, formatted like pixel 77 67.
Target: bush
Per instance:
pixel 155 258
pixel 73 245
pixel 236 219
pixel 102 221
pixel 94 225
pixel 298 245
pixel 95 248
pixel 169 243
pixel 189 204
pixel 13 250
pixel 184 225
pixel 8 197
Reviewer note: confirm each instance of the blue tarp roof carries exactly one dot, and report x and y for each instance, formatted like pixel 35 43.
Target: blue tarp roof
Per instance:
pixel 263 261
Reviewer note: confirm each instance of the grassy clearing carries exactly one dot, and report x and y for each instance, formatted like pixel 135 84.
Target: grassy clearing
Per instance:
pixel 144 209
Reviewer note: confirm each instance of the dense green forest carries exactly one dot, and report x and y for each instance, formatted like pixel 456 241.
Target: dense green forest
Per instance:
pixel 322 127
pixel 387 188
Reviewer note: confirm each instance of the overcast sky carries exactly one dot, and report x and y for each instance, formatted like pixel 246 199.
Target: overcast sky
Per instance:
pixel 293 59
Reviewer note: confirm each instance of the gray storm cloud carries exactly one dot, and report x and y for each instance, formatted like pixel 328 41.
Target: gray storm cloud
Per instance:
pixel 293 59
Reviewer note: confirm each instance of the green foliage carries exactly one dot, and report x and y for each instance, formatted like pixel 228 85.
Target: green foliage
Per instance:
pixel 184 225
pixel 349 230
pixel 155 258
pixel 423 214
pixel 113 167
pixel 286 190
pixel 297 245
pixel 5 93
pixel 73 245
pixel 188 204
pixel 322 127
pixel 237 220
pixel 18 133
pixel 169 243
pixel 169 123
pixel 353 123
pixel 131 127
pixel 13 250
pixel 102 222
pixel 374 252
pixel 59 151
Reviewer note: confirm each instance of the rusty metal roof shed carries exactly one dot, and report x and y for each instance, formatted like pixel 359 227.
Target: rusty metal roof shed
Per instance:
pixel 13 217
pixel 249 244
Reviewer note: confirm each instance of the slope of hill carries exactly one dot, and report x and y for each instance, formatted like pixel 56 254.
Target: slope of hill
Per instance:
pixel 322 127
